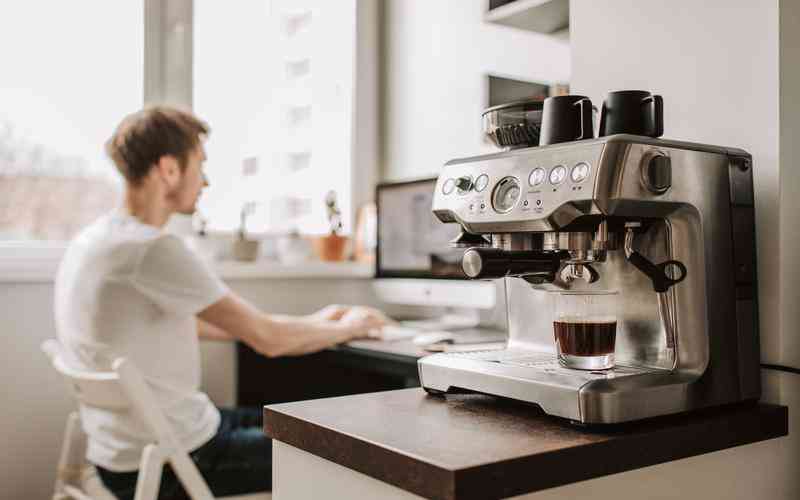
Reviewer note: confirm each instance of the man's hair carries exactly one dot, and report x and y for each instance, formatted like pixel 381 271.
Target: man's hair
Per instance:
pixel 142 138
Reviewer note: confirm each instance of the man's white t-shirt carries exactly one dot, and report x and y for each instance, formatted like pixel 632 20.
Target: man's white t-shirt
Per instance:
pixel 128 289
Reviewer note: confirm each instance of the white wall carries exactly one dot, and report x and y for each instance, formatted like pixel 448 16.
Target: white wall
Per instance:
pixel 719 66
pixel 36 401
pixel 436 57
pixel 716 65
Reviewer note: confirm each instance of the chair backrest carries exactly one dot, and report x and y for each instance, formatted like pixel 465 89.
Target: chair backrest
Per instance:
pixel 98 389
pixel 120 389
pixel 124 388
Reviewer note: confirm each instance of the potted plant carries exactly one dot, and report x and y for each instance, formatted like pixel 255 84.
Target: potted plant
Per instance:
pixel 332 246
pixel 244 248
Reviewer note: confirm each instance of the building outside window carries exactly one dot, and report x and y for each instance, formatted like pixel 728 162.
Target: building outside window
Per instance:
pixel 274 78
pixel 63 87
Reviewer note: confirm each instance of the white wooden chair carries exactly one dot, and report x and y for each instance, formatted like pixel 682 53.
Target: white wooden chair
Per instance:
pixel 122 388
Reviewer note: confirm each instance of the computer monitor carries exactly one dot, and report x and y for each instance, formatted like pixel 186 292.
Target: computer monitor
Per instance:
pixel 415 264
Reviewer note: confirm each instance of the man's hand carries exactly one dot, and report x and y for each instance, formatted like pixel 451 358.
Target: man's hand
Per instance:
pixel 364 322
pixel 332 312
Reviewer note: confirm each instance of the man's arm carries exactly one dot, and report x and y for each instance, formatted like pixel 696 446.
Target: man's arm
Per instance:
pixel 333 312
pixel 273 335
pixel 207 331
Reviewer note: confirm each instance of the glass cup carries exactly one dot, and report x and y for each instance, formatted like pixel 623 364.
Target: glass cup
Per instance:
pixel 585 328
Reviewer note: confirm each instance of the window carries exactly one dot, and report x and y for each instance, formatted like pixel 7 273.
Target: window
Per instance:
pixel 70 72
pixel 275 82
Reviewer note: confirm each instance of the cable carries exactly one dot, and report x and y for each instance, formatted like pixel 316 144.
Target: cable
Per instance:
pixel 781 368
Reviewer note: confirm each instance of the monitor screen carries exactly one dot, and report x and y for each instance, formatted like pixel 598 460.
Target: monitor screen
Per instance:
pixel 412 242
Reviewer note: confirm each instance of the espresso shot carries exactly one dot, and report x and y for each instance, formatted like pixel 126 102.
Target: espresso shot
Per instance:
pixel 585 337
pixel 584 343
pixel 585 328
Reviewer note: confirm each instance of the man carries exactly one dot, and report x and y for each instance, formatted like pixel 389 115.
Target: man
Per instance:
pixel 126 288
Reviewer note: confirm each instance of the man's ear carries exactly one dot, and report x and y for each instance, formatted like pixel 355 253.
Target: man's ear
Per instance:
pixel 169 170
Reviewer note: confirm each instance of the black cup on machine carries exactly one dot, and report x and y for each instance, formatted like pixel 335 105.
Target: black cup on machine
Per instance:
pixel 566 118
pixel 636 112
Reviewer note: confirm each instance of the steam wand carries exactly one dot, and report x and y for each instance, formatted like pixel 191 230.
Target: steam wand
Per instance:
pixel 661 283
pixel 656 272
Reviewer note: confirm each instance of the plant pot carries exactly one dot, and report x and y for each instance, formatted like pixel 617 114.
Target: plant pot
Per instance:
pixel 330 248
pixel 245 250
pixel 293 249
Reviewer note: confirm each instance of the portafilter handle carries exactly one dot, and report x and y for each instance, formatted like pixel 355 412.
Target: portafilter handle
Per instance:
pixel 492 263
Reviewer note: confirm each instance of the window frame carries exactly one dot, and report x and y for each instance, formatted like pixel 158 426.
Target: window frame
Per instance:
pixel 167 77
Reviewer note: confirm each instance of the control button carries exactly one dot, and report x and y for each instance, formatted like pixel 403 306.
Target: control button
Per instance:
pixel 538 203
pixel 536 176
pixel 657 174
pixel 448 186
pixel 464 184
pixel 558 174
pixel 506 194
pixel 580 172
pixel 481 182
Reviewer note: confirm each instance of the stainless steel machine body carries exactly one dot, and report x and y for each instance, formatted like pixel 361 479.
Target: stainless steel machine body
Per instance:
pixel 578 216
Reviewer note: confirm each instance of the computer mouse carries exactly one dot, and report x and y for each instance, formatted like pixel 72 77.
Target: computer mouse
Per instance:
pixel 432 337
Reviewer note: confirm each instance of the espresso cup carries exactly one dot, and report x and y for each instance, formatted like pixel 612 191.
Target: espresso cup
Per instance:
pixel 636 112
pixel 585 329
pixel 566 118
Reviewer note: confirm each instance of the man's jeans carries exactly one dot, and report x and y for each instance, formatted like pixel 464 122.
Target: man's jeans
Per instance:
pixel 236 461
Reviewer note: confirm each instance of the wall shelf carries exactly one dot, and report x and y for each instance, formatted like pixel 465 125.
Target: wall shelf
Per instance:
pixel 541 16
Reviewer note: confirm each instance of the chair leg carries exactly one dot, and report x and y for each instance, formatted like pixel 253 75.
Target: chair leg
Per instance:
pixel 149 480
pixel 72 456
pixel 190 477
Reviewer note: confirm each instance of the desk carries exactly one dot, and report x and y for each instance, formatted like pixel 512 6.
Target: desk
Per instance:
pixel 404 444
pixel 357 367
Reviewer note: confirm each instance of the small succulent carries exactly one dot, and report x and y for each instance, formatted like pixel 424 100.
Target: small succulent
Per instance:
pixel 247 210
pixel 334 214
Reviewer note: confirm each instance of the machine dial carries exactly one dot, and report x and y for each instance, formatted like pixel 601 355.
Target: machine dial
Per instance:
pixel 536 176
pixel 558 174
pixel 580 172
pixel 506 194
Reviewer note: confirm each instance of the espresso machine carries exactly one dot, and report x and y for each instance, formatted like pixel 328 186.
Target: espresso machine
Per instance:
pixel 668 225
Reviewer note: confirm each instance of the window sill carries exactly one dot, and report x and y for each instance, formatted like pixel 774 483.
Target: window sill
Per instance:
pixel 232 270
pixel 27 262
pixel 39 264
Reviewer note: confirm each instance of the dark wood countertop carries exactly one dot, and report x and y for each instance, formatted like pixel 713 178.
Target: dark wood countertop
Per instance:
pixel 476 446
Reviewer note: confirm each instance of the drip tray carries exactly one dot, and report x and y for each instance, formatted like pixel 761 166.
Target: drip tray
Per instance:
pixel 548 364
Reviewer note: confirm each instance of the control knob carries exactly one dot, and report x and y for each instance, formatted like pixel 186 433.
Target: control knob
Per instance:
pixel 657 173
pixel 464 183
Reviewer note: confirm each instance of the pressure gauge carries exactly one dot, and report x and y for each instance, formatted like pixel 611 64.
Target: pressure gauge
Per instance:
pixel 506 194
